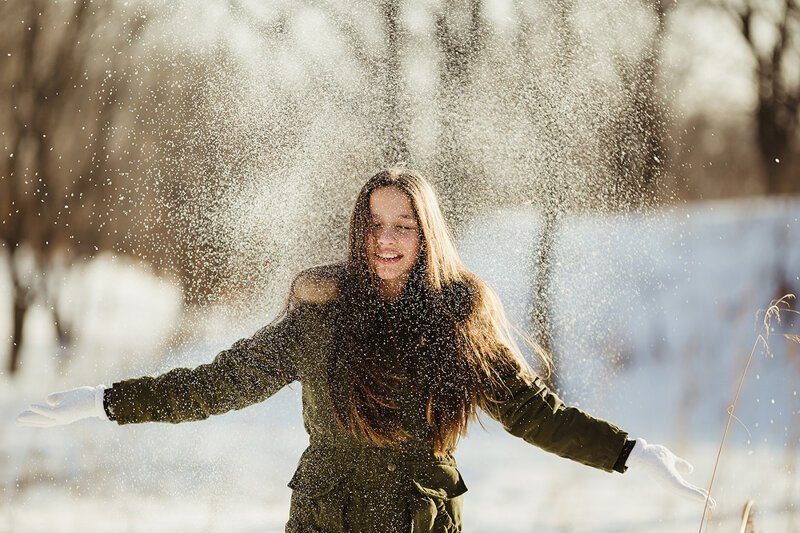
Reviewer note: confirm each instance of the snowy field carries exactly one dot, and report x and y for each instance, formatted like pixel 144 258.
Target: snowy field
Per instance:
pixel 655 317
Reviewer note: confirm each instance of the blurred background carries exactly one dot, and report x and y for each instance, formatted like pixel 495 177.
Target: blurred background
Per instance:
pixel 625 173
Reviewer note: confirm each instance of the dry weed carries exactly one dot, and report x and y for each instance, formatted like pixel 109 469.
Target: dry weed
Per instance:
pixel 773 312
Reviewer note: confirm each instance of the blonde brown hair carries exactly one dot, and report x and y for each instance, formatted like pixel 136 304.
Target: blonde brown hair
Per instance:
pixel 468 342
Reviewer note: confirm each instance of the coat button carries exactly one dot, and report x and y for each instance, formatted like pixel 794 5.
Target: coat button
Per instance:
pixel 391 467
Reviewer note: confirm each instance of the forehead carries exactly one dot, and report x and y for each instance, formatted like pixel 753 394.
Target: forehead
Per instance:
pixel 390 202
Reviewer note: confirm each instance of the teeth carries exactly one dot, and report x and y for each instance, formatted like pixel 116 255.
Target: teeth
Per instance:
pixel 387 256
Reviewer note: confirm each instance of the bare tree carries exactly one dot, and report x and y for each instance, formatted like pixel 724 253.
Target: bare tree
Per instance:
pixel 636 135
pixel 587 160
pixel 777 61
pixel 57 140
pixel 542 80
pixel 460 34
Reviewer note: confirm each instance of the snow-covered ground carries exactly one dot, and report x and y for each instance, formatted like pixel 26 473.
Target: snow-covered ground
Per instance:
pixel 655 314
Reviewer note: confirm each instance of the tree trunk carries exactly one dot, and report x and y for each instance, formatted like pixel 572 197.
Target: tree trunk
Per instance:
pixel 778 114
pixel 459 180
pixel 21 296
pixel 542 310
pixel 553 198
pixel 775 136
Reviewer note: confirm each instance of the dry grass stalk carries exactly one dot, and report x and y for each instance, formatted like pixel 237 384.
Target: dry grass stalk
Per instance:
pixel 747 525
pixel 772 313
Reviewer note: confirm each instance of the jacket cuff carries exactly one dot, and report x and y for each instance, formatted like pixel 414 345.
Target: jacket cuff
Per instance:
pixel 107 403
pixel 620 465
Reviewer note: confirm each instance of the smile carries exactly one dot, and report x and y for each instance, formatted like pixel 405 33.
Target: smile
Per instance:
pixel 388 258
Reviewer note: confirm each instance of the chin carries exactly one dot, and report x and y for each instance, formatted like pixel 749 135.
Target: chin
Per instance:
pixel 388 275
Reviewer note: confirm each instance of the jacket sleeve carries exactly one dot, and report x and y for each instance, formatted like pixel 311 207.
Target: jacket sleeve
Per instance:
pixel 535 414
pixel 248 372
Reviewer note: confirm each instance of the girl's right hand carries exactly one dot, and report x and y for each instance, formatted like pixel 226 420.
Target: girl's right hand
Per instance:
pixel 65 407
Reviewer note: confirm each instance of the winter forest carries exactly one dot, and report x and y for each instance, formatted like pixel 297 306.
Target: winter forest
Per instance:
pixel 624 173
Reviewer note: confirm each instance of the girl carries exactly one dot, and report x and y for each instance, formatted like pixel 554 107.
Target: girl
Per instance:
pixel 397 348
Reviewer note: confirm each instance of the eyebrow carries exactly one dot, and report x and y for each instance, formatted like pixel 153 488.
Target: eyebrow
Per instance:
pixel 410 217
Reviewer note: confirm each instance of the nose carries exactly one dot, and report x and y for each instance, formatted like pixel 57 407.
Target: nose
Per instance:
pixel 384 235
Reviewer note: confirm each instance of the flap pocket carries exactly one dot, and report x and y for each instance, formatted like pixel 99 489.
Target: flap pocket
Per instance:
pixel 314 478
pixel 440 481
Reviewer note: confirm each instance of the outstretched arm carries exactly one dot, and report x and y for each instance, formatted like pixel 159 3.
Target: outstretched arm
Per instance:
pixel 534 413
pixel 248 372
pixel 537 415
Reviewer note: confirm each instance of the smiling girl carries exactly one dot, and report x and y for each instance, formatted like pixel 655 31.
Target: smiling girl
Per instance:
pixel 397 349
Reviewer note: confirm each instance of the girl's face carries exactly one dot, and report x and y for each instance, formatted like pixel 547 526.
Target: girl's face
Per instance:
pixel 393 239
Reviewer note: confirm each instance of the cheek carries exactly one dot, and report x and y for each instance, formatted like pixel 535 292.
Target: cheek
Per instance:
pixel 413 249
pixel 371 246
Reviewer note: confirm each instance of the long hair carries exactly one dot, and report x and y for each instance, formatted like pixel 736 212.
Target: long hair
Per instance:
pixel 446 315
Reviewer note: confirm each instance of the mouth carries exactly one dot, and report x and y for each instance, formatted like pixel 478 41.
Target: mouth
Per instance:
pixel 388 258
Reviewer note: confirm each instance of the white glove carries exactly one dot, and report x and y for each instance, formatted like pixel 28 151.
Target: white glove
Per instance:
pixel 65 408
pixel 665 466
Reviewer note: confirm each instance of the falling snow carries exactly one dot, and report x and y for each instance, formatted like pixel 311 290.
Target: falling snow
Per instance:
pixel 218 153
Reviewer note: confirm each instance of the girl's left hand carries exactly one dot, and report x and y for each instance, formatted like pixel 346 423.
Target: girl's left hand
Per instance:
pixel 667 467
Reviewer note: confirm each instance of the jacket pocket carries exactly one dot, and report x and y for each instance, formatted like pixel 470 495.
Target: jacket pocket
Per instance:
pixel 437 504
pixel 316 479
pixel 319 500
pixel 436 480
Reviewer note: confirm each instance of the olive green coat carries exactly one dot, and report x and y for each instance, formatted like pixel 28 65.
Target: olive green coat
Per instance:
pixel 342 484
